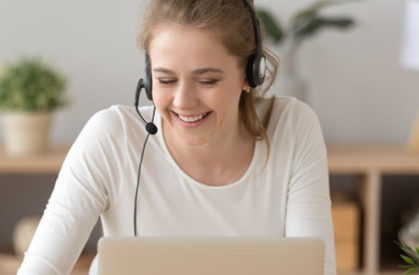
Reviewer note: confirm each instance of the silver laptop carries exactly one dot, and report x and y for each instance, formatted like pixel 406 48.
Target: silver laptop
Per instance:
pixel 209 256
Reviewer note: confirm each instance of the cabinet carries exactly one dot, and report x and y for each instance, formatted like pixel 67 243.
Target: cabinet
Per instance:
pixel 368 163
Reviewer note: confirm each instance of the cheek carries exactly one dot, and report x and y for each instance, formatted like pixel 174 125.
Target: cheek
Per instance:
pixel 230 96
pixel 160 101
pixel 226 104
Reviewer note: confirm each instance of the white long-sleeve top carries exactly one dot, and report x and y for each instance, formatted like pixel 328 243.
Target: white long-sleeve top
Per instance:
pixel 289 197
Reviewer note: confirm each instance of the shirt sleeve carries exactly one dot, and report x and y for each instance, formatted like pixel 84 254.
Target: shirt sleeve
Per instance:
pixel 308 201
pixel 79 196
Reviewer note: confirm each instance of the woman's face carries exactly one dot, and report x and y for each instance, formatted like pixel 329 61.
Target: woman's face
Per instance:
pixel 196 85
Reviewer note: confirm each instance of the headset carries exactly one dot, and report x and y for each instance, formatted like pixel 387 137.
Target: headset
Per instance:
pixel 255 73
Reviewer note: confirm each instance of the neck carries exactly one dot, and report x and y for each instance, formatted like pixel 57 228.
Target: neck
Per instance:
pixel 220 156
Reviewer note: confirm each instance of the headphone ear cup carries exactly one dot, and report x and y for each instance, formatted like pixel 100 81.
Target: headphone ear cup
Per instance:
pixel 148 81
pixel 255 69
pixel 250 71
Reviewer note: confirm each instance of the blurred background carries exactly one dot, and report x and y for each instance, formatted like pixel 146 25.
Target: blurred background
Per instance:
pixel 353 78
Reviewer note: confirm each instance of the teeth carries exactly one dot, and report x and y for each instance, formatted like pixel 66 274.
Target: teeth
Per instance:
pixel 191 118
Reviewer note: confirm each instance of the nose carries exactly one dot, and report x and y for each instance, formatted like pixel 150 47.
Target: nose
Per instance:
pixel 185 96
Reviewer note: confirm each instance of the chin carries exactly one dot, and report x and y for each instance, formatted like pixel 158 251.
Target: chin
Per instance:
pixel 193 140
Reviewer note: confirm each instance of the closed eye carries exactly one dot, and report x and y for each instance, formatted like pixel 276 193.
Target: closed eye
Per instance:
pixel 164 81
pixel 208 82
pixel 170 81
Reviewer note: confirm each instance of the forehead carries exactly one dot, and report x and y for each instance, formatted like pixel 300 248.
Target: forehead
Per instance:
pixel 175 45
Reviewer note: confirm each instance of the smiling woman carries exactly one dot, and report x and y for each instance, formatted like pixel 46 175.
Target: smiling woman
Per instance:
pixel 207 171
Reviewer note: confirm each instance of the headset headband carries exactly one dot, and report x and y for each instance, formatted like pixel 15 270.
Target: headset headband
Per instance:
pixel 256 24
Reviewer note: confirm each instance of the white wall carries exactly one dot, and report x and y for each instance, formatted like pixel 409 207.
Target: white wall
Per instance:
pixel 357 87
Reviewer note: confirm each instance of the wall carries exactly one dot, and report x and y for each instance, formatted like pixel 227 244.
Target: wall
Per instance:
pixel 357 87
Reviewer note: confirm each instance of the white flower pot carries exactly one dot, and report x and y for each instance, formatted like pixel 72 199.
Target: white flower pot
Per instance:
pixel 25 133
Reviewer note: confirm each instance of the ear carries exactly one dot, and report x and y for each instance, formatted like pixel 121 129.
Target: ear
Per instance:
pixel 245 85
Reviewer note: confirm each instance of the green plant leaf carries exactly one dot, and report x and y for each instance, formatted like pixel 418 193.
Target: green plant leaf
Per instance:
pixel 313 9
pixel 272 28
pixel 314 25
pixel 31 85
pixel 409 251
pixel 412 259
pixel 412 270
pixel 405 247
pixel 407 259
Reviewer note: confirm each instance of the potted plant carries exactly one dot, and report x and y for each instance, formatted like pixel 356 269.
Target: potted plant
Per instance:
pixel 411 258
pixel 30 90
pixel 304 24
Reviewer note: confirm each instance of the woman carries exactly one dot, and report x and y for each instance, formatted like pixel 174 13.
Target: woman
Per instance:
pixel 224 162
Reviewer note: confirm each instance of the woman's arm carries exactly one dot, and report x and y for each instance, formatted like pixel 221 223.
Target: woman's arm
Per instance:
pixel 79 196
pixel 308 203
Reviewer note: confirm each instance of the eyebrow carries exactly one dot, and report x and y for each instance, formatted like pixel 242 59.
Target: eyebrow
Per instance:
pixel 197 71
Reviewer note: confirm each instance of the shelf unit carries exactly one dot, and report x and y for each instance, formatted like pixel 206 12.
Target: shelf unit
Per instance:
pixel 369 163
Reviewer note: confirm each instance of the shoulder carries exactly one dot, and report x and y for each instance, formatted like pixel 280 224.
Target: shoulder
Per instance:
pixel 293 109
pixel 108 132
pixel 287 112
pixel 116 119
pixel 113 125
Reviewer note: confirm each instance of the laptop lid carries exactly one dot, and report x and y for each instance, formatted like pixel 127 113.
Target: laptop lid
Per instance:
pixel 209 256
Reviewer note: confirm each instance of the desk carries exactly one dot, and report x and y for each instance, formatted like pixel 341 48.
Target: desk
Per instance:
pixel 369 163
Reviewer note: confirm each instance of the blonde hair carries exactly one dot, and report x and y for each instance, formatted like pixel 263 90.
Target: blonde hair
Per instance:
pixel 232 24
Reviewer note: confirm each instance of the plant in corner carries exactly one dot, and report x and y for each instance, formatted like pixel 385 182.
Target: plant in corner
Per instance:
pixel 304 24
pixel 411 258
pixel 30 90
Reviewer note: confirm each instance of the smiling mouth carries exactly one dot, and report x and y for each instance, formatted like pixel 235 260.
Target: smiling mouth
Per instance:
pixel 191 119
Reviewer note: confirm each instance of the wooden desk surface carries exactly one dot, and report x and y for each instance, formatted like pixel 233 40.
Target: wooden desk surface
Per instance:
pixel 342 159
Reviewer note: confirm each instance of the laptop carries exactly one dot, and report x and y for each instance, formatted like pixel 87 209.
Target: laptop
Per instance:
pixel 209 256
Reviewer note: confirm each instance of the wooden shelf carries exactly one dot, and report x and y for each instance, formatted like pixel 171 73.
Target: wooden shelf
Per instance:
pixel 362 159
pixel 50 162
pixel 342 159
